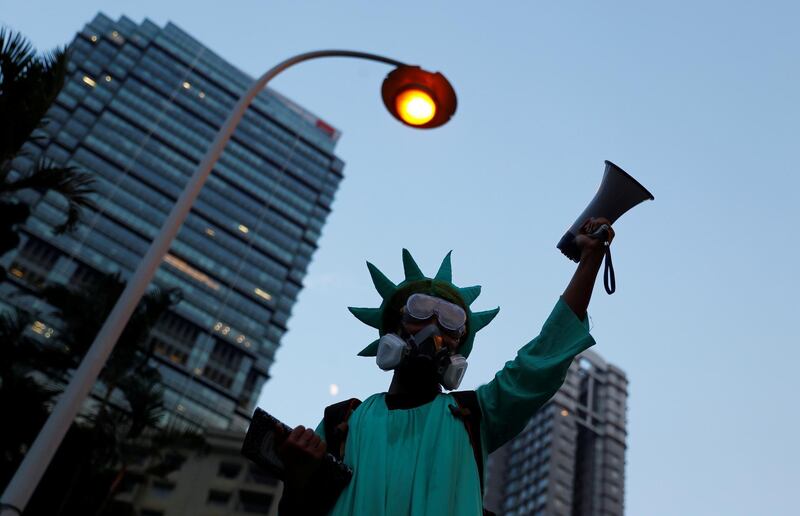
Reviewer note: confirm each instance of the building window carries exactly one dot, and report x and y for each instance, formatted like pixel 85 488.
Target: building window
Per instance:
pixel 223 364
pixel 216 497
pixel 173 353
pixel 229 469
pixel 255 502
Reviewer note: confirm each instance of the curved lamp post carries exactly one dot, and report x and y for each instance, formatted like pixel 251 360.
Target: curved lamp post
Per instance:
pixel 414 96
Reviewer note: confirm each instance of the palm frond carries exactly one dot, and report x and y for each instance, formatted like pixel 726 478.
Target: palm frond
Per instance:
pixel 145 396
pixel 16 53
pixel 53 70
pixel 20 353
pixel 157 301
pixel 29 84
pixel 68 181
pixel 16 348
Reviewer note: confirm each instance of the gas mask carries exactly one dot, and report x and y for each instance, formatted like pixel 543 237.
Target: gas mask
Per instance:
pixel 421 351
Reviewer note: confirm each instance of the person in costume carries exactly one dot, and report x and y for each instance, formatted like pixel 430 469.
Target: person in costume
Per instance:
pixel 414 449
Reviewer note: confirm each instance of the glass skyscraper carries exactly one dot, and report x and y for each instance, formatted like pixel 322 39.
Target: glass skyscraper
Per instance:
pixel 139 108
pixel 570 459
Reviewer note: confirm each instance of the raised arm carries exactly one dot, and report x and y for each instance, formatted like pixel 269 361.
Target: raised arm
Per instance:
pixel 579 291
pixel 540 367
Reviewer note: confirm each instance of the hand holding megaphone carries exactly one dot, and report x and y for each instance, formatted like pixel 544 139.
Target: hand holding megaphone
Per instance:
pixel 618 193
pixel 594 235
pixel 603 234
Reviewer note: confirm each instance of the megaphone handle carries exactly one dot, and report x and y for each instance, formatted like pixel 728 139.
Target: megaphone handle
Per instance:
pixel 601 233
pixel 609 280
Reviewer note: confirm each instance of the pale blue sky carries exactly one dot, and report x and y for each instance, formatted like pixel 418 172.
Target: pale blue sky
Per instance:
pixel 698 100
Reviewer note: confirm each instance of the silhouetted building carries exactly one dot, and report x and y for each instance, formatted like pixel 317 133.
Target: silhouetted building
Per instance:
pixel 140 107
pixel 570 459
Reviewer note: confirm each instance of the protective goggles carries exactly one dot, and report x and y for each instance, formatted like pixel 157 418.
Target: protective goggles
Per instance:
pixel 422 306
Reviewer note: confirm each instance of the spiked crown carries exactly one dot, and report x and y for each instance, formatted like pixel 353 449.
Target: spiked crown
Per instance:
pixel 441 285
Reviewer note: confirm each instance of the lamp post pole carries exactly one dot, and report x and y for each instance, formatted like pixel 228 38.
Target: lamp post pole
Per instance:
pixel 36 461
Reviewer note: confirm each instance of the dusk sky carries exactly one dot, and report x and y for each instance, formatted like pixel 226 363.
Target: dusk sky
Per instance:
pixel 696 99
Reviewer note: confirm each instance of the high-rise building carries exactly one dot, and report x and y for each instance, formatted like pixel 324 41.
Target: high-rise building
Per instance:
pixel 570 459
pixel 139 109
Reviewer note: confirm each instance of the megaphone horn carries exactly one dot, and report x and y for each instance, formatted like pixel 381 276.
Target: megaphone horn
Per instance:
pixel 618 193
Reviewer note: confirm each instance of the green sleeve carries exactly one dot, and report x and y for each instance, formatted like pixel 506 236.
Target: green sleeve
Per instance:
pixel 320 430
pixel 532 378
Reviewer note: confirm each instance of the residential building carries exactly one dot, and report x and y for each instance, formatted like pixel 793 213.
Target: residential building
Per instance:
pixel 215 481
pixel 570 459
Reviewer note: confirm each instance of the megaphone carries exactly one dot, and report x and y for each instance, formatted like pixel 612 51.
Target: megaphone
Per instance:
pixel 618 193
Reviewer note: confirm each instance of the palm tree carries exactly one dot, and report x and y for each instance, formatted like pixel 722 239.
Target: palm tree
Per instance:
pixel 85 307
pixel 29 84
pixel 124 426
pixel 20 394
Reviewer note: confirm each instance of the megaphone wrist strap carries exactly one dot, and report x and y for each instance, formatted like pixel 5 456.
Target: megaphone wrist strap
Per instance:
pixel 609 280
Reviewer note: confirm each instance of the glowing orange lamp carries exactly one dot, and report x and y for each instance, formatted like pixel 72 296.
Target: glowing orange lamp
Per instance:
pixel 418 98
pixel 415 106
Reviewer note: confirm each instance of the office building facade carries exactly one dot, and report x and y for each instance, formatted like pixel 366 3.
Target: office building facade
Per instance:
pixel 570 459
pixel 139 108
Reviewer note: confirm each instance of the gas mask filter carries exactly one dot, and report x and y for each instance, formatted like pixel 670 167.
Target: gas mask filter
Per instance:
pixel 393 351
pixel 454 372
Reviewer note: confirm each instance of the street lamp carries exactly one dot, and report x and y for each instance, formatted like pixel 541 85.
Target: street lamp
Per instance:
pixel 416 97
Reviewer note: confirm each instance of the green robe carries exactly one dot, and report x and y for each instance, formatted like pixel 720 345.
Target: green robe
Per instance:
pixel 419 461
